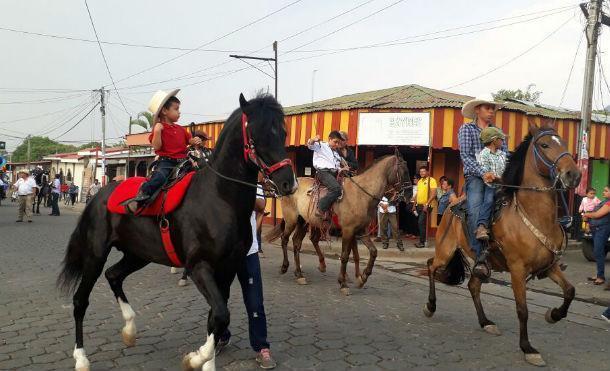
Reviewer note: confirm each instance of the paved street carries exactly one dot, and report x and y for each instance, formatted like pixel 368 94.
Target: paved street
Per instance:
pixel 311 327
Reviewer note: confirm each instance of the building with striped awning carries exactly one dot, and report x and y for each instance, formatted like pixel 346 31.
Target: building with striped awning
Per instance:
pixel 342 113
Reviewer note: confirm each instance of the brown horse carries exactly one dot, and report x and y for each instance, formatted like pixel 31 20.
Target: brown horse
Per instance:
pixel 361 194
pixel 526 238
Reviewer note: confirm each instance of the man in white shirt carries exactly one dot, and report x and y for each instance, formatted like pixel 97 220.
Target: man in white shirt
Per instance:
pixel 26 189
pixel 327 163
pixel 388 216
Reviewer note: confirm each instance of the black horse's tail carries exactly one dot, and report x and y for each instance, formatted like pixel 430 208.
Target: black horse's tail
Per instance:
pixel 455 271
pixel 73 263
pixel 276 232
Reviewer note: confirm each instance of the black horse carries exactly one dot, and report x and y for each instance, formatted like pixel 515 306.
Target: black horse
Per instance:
pixel 210 230
pixel 44 190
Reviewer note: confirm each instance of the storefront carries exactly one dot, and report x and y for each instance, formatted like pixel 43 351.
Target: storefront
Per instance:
pixel 443 112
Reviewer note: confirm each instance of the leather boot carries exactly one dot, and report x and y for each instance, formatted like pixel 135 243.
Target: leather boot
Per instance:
pixel 481 268
pixel 140 197
pixel 481 234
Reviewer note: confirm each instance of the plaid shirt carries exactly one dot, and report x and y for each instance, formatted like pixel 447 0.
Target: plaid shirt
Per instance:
pixel 469 141
pixel 492 162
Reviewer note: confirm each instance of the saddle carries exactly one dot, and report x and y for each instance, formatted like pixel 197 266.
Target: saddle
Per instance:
pixel 164 201
pixel 318 191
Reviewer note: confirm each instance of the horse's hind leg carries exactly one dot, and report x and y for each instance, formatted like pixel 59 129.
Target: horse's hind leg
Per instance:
pixel 314 236
pixel 183 280
pixel 91 272
pixel 356 258
pixel 297 243
pixel 115 276
pixel 372 257
pixel 555 314
pixel 474 285
pixel 288 229
pixel 218 318
pixel 519 289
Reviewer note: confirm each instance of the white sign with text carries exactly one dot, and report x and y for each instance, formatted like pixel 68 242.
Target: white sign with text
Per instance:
pixel 396 129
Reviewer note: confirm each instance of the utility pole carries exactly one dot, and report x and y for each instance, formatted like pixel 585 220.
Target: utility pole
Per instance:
pixel 29 150
pixel 103 111
pixel 595 18
pixel 274 59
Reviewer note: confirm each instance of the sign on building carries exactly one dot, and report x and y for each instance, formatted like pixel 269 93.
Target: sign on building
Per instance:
pixel 396 129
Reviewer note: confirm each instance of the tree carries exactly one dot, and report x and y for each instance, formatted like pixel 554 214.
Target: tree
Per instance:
pixel 39 147
pixel 529 94
pixel 143 120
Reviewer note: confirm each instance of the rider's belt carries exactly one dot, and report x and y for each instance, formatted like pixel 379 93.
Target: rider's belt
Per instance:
pixel 165 158
pixel 332 171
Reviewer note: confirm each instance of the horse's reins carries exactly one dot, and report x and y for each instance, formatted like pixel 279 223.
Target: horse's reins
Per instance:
pixel 397 186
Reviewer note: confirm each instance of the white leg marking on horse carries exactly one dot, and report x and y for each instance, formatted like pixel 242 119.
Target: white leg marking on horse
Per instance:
pixel 82 363
pixel 129 331
pixel 211 364
pixel 203 355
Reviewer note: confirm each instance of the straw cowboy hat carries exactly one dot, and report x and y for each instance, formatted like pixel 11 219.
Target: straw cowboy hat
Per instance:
pixel 157 102
pixel 468 108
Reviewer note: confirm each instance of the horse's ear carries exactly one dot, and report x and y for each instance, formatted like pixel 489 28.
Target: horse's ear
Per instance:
pixel 533 128
pixel 243 103
pixel 548 124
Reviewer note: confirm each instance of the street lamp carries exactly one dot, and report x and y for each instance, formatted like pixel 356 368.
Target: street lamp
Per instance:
pixel 243 57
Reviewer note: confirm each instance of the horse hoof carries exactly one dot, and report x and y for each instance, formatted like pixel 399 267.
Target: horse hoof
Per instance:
pixel 345 291
pixel 84 368
pixel 535 359
pixel 128 339
pixel 302 281
pixel 182 283
pixel 427 312
pixel 186 363
pixel 283 270
pixel 548 316
pixel 492 329
pixel 322 268
pixel 173 270
pixel 361 282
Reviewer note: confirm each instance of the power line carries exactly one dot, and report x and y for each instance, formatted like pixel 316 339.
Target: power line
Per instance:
pixel 565 88
pixel 78 122
pixel 45 100
pixel 210 42
pixel 38 116
pixel 60 123
pixel 104 56
pixel 207 68
pixel 513 58
pixel 147 46
pixel 346 26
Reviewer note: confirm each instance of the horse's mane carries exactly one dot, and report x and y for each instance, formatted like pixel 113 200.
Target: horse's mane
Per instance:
pixel 267 110
pixel 375 162
pixel 513 175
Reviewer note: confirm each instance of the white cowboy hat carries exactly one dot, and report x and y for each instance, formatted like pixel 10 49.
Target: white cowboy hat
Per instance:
pixel 468 108
pixel 157 102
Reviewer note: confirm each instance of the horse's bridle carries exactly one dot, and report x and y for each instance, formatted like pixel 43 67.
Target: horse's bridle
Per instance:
pixel 551 166
pixel 250 152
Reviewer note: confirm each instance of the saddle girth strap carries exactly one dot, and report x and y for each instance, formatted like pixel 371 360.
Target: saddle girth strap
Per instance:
pixel 166 237
pixel 546 242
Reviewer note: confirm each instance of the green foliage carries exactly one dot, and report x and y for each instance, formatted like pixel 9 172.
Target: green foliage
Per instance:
pixel 89 145
pixel 143 120
pixel 39 147
pixel 529 94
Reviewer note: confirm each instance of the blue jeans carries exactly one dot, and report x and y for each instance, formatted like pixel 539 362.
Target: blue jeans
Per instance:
pixel 475 194
pixel 159 176
pixel 487 207
pixel 600 237
pixel 250 280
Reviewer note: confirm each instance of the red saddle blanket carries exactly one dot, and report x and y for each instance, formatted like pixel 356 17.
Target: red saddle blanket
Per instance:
pixel 128 189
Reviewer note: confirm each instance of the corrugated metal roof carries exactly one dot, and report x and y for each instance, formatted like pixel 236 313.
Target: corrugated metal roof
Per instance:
pixel 419 97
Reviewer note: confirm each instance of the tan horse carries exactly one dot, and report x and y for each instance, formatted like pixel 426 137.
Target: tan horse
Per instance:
pixel 526 238
pixel 361 194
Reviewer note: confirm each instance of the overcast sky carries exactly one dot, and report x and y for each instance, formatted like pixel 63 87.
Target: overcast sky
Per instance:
pixel 548 36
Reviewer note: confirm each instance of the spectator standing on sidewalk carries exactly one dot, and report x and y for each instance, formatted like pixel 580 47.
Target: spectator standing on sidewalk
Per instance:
pixel 599 223
pixel 447 198
pixel 26 189
pixel 73 191
pixel 93 189
pixel 426 192
pixel 388 217
pixel 55 193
